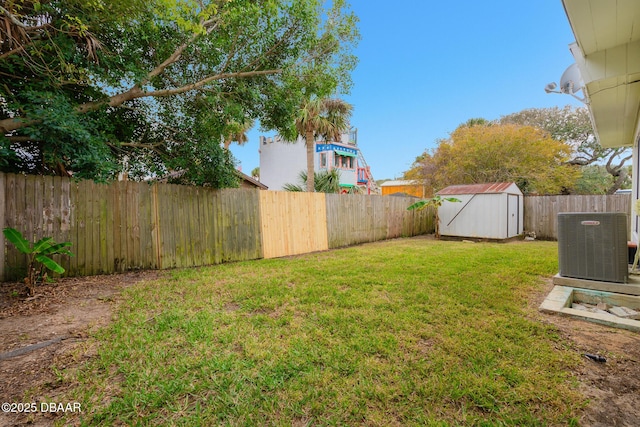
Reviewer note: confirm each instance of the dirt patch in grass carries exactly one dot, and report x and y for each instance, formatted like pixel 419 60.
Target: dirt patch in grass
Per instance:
pixel 612 387
pixel 49 331
pixel 65 313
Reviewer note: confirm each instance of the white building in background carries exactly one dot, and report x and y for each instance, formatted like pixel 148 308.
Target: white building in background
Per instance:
pixel 281 162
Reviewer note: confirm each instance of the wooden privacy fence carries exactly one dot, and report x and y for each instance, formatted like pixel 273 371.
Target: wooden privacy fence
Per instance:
pixel 541 212
pixel 128 225
pixel 293 223
pixel 361 218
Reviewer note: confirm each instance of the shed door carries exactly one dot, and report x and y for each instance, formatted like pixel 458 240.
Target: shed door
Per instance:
pixel 514 215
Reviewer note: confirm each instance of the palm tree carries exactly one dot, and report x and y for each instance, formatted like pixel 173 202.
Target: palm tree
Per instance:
pixel 324 182
pixel 237 132
pixel 255 173
pixel 321 117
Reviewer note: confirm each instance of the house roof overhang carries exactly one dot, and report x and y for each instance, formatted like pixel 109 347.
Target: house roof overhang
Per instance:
pixel 607 52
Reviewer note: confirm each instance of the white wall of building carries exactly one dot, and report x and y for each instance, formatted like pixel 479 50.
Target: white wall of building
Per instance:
pixel 281 162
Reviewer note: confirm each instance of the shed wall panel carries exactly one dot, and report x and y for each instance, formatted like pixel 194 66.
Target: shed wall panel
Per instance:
pixel 479 216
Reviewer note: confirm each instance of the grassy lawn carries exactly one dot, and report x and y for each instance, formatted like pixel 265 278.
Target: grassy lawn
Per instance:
pixel 407 332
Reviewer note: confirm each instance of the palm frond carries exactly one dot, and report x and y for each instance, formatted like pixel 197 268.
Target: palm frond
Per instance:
pixel 324 182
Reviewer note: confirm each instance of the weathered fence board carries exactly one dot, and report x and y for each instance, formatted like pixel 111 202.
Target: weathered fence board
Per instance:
pixel 2 222
pixel 354 219
pixel 201 226
pixel 241 232
pixel 292 223
pixel 350 220
pixel 395 222
pixel 415 223
pixel 130 225
pixel 541 212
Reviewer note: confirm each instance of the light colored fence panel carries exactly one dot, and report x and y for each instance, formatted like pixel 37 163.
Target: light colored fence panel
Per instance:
pixel 292 223
pixel 541 212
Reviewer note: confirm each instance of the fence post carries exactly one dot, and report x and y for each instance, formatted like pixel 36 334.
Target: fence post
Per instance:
pixel 155 229
pixel 3 191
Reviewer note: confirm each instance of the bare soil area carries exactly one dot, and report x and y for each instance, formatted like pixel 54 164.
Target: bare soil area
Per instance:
pixel 48 332
pixel 612 387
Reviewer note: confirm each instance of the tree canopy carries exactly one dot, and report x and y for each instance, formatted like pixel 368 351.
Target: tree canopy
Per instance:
pixel 573 126
pixel 480 153
pixel 96 87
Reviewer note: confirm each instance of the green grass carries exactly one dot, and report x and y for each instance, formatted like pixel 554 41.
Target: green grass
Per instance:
pixel 405 332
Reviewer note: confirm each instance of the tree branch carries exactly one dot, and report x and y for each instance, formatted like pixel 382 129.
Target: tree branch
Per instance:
pixel 11 124
pixel 12 18
pixel 20 138
pixel 175 56
pixel 232 51
pixel 199 84
pixel 135 145
pixel 284 37
pixel 209 25
pixel 615 169
pixel 11 52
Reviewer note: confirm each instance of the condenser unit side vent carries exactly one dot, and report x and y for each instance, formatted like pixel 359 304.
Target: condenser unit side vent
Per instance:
pixel 593 246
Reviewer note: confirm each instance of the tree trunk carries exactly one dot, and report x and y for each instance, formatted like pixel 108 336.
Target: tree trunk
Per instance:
pixel 618 180
pixel 311 148
pixel 618 172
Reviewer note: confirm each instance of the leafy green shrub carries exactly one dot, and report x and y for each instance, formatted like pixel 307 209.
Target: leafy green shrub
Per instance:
pixel 38 253
pixel 436 202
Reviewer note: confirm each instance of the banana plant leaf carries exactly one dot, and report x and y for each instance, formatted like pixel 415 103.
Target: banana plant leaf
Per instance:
pixel 49 263
pixel 15 237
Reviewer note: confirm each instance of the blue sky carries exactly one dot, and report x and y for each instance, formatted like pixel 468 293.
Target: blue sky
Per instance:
pixel 427 66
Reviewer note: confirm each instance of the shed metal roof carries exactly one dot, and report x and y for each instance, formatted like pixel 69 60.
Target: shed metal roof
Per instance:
pixel 488 188
pixel 395 183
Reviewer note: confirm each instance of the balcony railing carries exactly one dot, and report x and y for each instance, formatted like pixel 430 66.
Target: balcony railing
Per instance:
pixel 363 175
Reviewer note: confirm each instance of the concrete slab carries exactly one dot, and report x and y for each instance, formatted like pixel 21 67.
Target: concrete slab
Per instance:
pixel 625 312
pixel 631 288
pixel 558 298
pixel 554 304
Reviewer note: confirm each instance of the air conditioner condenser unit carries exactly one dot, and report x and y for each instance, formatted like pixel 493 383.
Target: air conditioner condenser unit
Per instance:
pixel 593 246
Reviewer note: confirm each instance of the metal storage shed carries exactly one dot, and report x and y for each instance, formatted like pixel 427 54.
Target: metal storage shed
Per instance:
pixel 488 211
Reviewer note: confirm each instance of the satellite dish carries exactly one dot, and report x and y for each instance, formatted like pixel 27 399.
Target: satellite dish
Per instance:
pixel 571 80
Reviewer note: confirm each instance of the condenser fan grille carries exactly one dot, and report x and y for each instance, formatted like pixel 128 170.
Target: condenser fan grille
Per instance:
pixel 593 246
